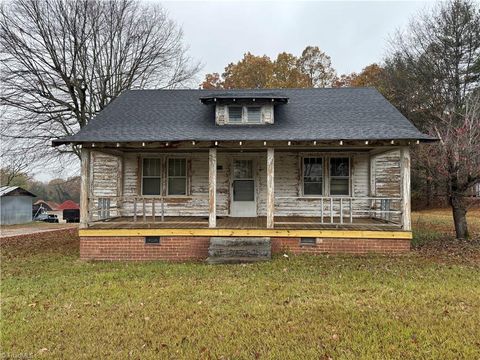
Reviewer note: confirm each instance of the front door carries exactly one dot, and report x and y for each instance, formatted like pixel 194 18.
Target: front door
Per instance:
pixel 243 189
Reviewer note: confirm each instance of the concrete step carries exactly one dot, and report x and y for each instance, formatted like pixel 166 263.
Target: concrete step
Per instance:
pixel 238 250
pixel 234 260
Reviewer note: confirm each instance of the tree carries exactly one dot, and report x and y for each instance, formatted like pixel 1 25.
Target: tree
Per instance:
pixel 371 76
pixel 318 66
pixel 212 81
pixel 62 61
pixel 434 76
pixel 313 69
pixel 287 74
pixel 252 72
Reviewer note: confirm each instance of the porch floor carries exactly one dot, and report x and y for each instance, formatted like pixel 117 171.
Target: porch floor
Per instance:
pixel 281 222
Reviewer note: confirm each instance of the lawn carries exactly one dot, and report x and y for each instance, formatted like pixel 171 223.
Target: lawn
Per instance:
pixel 422 305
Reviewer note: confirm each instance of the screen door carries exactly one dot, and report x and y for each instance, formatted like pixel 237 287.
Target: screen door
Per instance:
pixel 243 189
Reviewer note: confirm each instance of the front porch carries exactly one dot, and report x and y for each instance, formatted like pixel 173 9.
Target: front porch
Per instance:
pixel 375 202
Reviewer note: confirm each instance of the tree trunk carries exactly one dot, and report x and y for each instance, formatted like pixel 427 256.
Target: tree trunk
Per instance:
pixel 459 217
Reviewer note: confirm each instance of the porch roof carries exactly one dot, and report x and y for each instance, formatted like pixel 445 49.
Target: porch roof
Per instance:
pixel 310 114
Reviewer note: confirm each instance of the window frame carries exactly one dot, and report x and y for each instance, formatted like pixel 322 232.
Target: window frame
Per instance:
pixel 151 177
pixel 167 176
pixel 330 177
pixel 244 119
pixel 303 175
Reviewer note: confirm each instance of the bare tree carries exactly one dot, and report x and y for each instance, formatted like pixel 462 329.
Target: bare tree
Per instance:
pixel 62 61
pixel 433 72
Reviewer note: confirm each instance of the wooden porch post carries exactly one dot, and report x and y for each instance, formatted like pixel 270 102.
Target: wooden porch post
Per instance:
pixel 84 186
pixel 212 188
pixel 270 188
pixel 405 187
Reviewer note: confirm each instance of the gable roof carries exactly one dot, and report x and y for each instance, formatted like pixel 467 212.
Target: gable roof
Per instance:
pixel 51 205
pixel 68 205
pixel 310 114
pixel 14 191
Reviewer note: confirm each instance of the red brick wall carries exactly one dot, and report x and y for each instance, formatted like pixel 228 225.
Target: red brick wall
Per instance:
pixel 134 248
pixel 337 245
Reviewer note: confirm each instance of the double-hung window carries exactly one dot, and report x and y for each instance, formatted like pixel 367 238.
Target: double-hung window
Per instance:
pixel 151 176
pixel 177 176
pixel 339 176
pixel 312 176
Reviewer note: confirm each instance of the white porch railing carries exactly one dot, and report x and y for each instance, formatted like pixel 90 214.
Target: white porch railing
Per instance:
pixel 325 209
pixel 344 209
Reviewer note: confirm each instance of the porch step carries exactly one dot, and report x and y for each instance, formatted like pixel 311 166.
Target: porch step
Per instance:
pixel 234 250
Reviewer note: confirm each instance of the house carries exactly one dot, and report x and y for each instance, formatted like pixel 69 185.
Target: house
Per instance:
pixel 168 174
pixel 15 205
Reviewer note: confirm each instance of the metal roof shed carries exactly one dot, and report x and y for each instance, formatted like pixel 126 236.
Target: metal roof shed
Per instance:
pixel 15 205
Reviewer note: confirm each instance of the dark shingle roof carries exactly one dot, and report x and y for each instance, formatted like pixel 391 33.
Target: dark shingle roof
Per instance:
pixel 310 114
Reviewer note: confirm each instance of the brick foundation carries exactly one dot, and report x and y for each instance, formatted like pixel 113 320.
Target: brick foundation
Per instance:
pixel 134 248
pixel 196 248
pixel 337 246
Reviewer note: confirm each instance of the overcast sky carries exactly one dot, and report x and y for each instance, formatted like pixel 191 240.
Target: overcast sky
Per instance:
pixel 353 34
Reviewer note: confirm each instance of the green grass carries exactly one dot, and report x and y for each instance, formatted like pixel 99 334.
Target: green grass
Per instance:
pixel 341 307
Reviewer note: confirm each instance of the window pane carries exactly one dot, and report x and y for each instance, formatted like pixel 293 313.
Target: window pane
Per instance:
pixel 254 114
pixel 312 168
pixel 339 187
pixel 151 167
pixel 312 188
pixel 339 167
pixel 243 169
pixel 234 114
pixel 151 186
pixel 177 186
pixel 243 190
pixel 177 167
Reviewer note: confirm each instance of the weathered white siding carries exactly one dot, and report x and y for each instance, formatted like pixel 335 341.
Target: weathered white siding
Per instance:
pixel 107 169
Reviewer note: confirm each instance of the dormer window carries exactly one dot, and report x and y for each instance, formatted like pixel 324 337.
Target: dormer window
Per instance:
pixel 244 114
pixel 244 107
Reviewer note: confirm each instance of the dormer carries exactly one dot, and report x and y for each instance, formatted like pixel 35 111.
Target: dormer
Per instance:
pixel 244 109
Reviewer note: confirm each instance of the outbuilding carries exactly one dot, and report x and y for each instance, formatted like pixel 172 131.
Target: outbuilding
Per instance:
pixel 15 205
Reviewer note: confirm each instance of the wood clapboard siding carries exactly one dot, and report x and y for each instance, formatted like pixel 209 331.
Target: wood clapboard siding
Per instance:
pixel 387 178
pixel 287 183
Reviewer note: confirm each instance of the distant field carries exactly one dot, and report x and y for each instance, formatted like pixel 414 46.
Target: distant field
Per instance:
pixel 424 305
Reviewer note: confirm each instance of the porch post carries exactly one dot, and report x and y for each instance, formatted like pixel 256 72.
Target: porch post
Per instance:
pixel 270 188
pixel 84 186
pixel 405 187
pixel 212 187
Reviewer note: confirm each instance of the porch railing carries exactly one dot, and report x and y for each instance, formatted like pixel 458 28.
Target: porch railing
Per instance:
pixel 343 209
pixel 329 210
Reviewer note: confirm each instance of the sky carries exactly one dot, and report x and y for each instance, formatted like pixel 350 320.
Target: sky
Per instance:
pixel 354 34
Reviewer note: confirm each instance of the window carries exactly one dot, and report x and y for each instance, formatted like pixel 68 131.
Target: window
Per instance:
pixel 151 177
pixel 340 176
pixel 152 240
pixel 177 177
pixel 235 114
pixel 244 114
pixel 308 241
pixel 312 176
pixel 254 115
